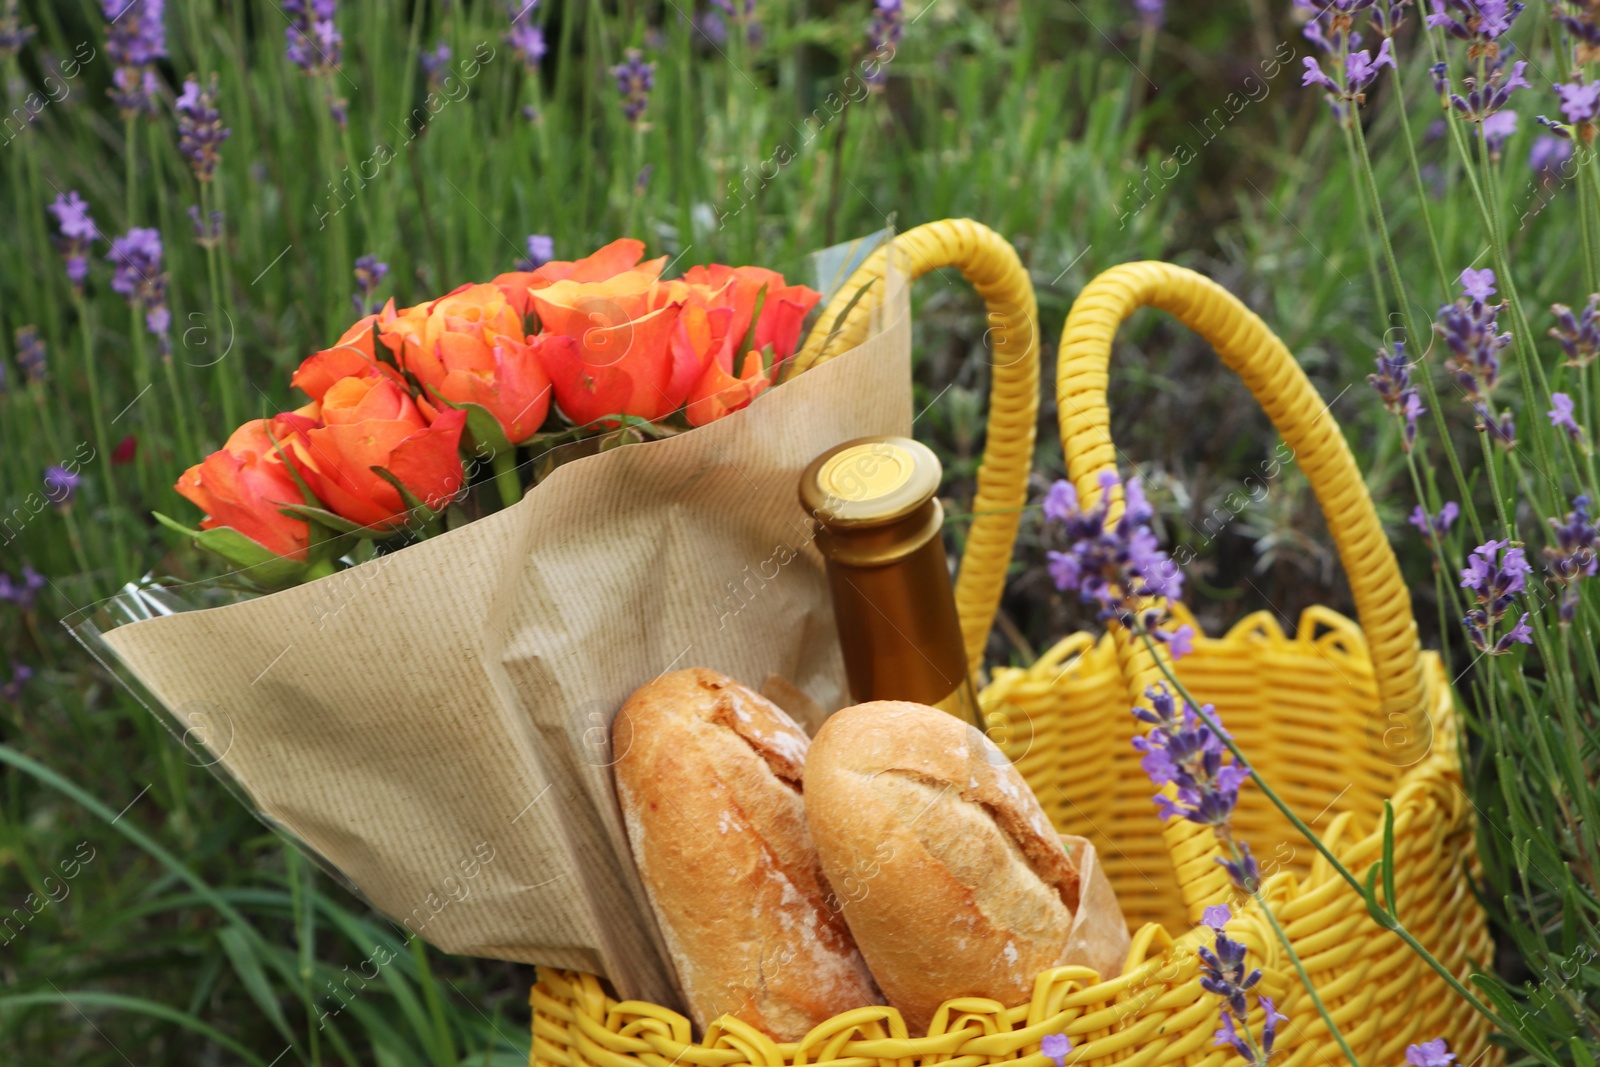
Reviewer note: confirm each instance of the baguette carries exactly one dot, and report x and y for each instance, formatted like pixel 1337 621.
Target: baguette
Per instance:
pixel 709 787
pixel 952 880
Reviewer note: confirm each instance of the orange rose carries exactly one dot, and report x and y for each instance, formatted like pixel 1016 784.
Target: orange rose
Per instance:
pixel 468 348
pixel 613 259
pixel 623 362
pixel 244 485
pixel 719 311
pixel 352 357
pixel 370 422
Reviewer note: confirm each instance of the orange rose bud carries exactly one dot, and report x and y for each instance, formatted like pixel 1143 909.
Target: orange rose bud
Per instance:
pixel 468 348
pixel 244 485
pixel 372 422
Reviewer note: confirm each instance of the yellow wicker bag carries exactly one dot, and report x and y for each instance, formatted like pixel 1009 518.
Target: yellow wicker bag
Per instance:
pixel 1339 718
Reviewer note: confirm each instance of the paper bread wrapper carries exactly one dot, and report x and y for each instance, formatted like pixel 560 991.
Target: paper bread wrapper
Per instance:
pixel 434 724
pixel 1099 936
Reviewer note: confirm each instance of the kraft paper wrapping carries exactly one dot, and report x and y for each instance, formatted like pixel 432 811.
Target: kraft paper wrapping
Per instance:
pixel 1099 937
pixel 435 723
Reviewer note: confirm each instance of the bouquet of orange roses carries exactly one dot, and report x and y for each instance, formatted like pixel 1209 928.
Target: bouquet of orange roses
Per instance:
pixel 424 701
pixel 413 406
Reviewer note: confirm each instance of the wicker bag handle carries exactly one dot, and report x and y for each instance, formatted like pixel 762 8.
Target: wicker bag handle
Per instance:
pixel 991 265
pixel 1253 352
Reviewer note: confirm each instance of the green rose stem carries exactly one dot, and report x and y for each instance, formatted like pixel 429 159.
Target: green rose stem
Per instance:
pixel 1393 922
pixel 505 476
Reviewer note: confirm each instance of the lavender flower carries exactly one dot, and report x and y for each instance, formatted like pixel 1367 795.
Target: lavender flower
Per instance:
pixel 200 128
pixel 23 591
pixel 1502 428
pixel 433 61
pixel 1496 573
pixel 30 354
pixel 78 231
pixel 1118 566
pixel 1561 416
pixel 140 279
pixel 135 38
pixel 1187 754
pixel 61 485
pixel 1433 527
pixel 20 674
pixel 1433 1053
pixel 207 228
pixel 1572 556
pixel 1579 336
pixel 1393 379
pixel 1360 71
pixel 1152 13
pixel 370 272
pixel 541 250
pixel 1499 128
pixel 1217 916
pixel 1579 103
pixel 635 79
pixel 1223 974
pixel 527 41
pixel 1413 410
pixel 1056 1046
pixel 884 32
pixel 1548 156
pixel 1483 22
pixel 13 35
pixel 1469 329
pixel 314 43
pixel 1483 101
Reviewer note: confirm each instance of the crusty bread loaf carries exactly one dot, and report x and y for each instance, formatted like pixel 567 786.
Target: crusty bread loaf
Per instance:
pixel 709 784
pixel 951 878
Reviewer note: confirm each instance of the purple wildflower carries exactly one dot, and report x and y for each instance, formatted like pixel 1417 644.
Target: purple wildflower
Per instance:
pixel 887 27
pixel 1186 753
pixel 207 228
pixel 1152 13
pixel 1118 566
pixel 1217 916
pixel 20 674
pixel 1548 156
pixel 1486 98
pixel 1412 410
pixel 370 272
pixel 30 354
pixel 1496 572
pixel 1579 103
pixel 13 35
pixel 1573 555
pixel 1483 22
pixel 1223 974
pixel 200 128
pixel 314 43
pixel 1469 330
pixel 635 79
pixel 1579 335
pixel 139 277
pixel 1179 642
pixel 1393 379
pixel 1498 128
pixel 1056 1046
pixel 1360 71
pixel 710 28
pixel 77 234
pixel 1433 1053
pixel 61 485
pixel 339 108
pixel 541 250
pixel 1561 416
pixel 136 37
pixel 435 60
pixel 22 591
pixel 1433 527
pixel 527 41
pixel 1502 428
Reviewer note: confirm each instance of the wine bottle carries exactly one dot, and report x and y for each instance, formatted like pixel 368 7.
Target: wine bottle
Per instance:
pixel 878 525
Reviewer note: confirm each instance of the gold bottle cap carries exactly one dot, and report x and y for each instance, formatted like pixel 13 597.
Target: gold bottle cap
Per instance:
pixel 871 481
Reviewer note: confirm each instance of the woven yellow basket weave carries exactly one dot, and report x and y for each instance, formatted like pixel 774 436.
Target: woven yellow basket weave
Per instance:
pixel 1339 718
